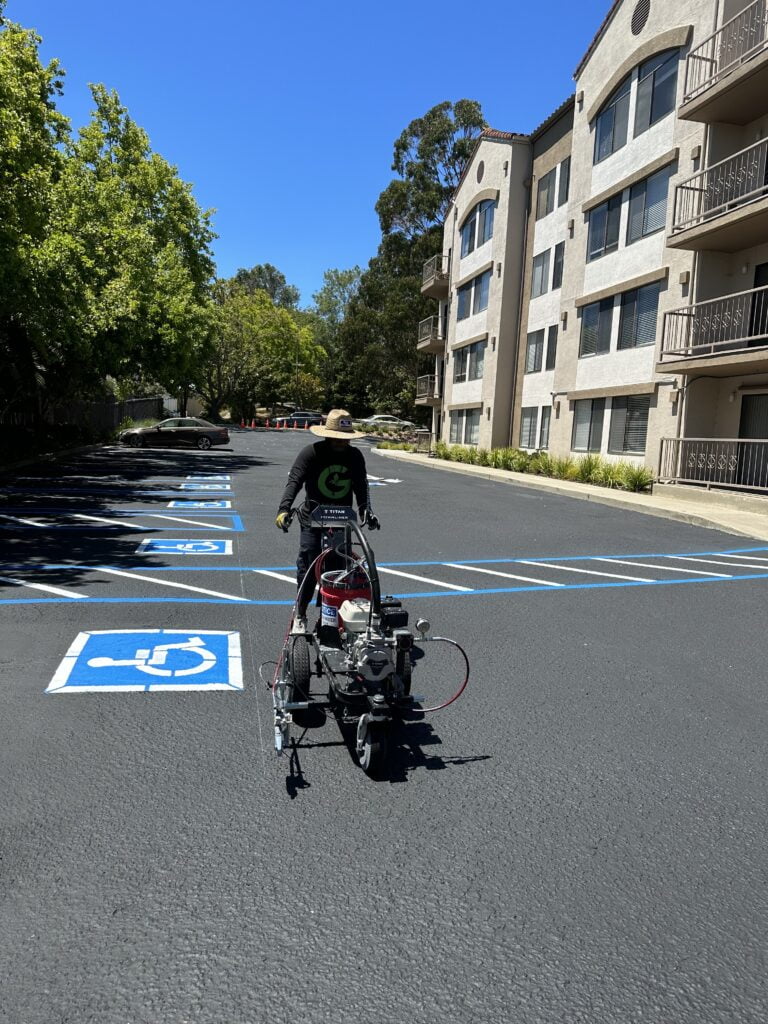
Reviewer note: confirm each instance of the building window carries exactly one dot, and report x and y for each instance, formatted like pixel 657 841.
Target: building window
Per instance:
pixel 611 123
pixel 476 360
pixel 557 266
pixel 540 282
pixel 465 426
pixel 564 181
pixel 648 206
pixel 551 347
pixel 656 89
pixel 545 197
pixel 546 416
pixel 528 427
pixel 596 323
pixel 588 425
pixel 629 424
pixel 482 288
pixel 485 221
pixel 464 304
pixel 637 322
pixel 468 234
pixel 469 362
pixel 604 223
pixel 534 351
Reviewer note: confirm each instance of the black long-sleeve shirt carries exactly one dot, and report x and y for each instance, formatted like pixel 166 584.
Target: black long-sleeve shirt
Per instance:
pixel 330 476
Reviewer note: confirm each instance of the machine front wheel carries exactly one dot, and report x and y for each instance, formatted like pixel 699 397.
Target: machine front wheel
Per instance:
pixel 301 669
pixel 373 758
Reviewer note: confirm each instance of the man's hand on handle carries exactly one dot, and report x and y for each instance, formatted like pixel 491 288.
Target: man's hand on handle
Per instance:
pixel 283 521
pixel 369 519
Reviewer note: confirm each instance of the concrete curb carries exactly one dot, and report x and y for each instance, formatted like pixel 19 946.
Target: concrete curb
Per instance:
pixel 717 520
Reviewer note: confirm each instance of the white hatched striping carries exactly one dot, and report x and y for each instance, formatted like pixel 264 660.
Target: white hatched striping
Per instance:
pixel 504 575
pixel 109 522
pixel 587 572
pixel 189 522
pixel 276 575
pixel 27 522
pixel 672 568
pixel 425 579
pixel 712 561
pixel 170 583
pixel 43 586
pixel 747 558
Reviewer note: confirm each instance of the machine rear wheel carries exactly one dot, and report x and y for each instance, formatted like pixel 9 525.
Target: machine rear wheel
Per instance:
pixel 373 758
pixel 301 669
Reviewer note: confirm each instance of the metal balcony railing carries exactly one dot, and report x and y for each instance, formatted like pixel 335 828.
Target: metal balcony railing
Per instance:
pixel 716 462
pixel 733 323
pixel 725 186
pixel 429 329
pixel 734 43
pixel 427 386
pixel 435 269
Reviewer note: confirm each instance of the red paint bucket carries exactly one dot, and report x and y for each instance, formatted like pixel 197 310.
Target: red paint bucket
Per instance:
pixel 336 588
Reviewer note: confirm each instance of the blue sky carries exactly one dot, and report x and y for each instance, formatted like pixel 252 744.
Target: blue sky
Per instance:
pixel 283 115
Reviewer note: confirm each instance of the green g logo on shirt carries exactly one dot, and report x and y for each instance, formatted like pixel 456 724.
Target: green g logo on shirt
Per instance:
pixel 334 482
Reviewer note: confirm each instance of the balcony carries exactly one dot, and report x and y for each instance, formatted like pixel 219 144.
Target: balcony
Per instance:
pixel 430 338
pixel 725 206
pixel 726 76
pixel 722 337
pixel 428 390
pixel 715 462
pixel 434 278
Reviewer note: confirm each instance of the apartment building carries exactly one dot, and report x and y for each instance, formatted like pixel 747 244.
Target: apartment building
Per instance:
pixel 642 309
pixel 476 281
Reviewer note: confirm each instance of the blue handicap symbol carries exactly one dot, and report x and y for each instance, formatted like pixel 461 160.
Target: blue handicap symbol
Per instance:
pixel 209 476
pixel 206 487
pixel 200 504
pixel 152 659
pixel 185 547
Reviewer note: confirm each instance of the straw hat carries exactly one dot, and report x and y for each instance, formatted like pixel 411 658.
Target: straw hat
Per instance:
pixel 338 423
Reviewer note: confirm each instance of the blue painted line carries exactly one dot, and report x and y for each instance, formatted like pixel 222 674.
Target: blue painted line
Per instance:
pixel 236 527
pixel 405 596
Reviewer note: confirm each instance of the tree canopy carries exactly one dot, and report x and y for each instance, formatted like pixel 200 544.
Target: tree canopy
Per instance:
pixel 266 278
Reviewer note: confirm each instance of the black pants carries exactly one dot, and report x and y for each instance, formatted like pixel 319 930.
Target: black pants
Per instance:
pixel 309 549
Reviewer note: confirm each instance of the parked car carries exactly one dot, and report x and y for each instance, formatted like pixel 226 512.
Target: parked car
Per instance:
pixel 187 432
pixel 382 420
pixel 299 419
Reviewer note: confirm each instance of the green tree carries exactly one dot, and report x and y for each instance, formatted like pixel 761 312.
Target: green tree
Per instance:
pixel 266 278
pixel 32 132
pixel 429 157
pixel 331 305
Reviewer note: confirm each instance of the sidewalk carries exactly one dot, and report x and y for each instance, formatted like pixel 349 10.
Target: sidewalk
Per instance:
pixel 741 514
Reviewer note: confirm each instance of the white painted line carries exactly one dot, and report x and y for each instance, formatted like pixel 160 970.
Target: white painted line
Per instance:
pixel 672 568
pixel 168 583
pixel 425 579
pixel 712 561
pixel 587 572
pixel 191 522
pixel 65 668
pixel 43 586
pixel 505 575
pixel 109 522
pixel 276 575
pixel 750 558
pixel 28 522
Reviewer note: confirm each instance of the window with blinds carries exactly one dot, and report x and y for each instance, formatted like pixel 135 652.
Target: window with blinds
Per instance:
pixel 656 89
pixel 528 427
pixel 551 347
pixel 588 416
pixel 564 181
pixel 648 205
pixel 629 424
pixel 557 266
pixel 639 311
pixel 546 415
pixel 603 234
pixel 534 351
pixel 612 122
pixel 540 282
pixel 596 323
pixel 545 197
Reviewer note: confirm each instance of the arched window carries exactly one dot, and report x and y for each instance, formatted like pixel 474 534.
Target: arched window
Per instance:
pixel 611 123
pixel 478 227
pixel 656 89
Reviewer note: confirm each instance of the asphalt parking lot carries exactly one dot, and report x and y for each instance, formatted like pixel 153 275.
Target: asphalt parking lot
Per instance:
pixel 579 838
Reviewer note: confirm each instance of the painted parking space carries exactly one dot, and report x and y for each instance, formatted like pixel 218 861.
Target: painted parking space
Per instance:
pixel 275 584
pixel 123 660
pixel 187 503
pixel 155 546
pixel 116 519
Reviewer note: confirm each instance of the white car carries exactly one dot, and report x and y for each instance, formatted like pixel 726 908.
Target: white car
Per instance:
pixel 386 421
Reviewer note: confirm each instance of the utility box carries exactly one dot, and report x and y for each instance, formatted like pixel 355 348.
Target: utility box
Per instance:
pixel 424 441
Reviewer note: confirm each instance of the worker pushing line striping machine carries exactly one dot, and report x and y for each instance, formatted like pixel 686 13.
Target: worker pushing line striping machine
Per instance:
pixel 361 643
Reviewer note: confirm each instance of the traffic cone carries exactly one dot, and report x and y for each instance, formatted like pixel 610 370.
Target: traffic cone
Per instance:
pixel 267 424
pixel 306 424
pixel 253 424
pixel 242 423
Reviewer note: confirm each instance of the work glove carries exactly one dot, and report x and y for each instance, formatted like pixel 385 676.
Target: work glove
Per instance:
pixel 283 521
pixel 369 519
